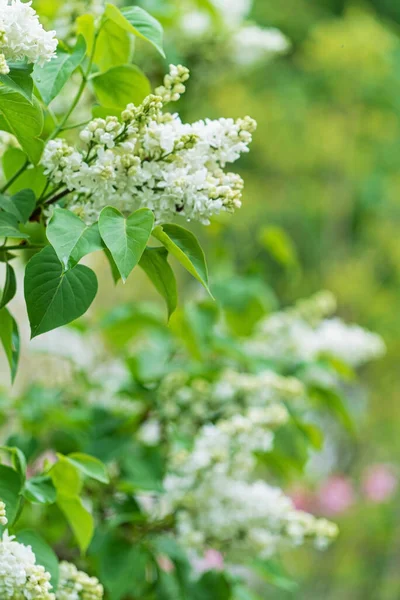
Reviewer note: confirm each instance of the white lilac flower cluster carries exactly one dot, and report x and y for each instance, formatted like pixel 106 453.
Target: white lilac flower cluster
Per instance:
pixel 303 334
pixel 187 403
pixel 3 515
pixel 149 158
pixel 246 43
pixel 220 504
pixel 20 577
pixel 77 585
pixel 22 36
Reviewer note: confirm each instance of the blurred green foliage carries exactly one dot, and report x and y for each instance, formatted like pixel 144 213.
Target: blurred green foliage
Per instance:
pixel 324 171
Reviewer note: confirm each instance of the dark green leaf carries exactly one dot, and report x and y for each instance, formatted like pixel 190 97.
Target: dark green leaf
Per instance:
pixel 21 205
pixel 9 337
pixel 10 286
pixel 10 488
pixel 18 459
pixel 126 239
pixel 155 264
pixel 53 297
pixel 9 227
pixel 45 556
pixel 182 244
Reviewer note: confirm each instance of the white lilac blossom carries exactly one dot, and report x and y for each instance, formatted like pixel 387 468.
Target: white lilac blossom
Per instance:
pixel 244 42
pixel 77 585
pixel 303 334
pixel 252 44
pixel 3 515
pixel 22 36
pixel 188 403
pixel 218 502
pixel 149 158
pixel 20 577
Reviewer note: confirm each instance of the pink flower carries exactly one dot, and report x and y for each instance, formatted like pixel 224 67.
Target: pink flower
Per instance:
pixel 302 499
pixel 336 495
pixel 212 560
pixel 379 483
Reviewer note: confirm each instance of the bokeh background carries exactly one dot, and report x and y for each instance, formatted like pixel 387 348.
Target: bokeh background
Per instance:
pixel 321 211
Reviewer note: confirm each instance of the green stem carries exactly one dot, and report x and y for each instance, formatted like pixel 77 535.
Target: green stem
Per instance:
pixel 85 76
pixel 15 176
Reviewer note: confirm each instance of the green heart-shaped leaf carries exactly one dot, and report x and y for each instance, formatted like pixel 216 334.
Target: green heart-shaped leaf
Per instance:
pixel 126 239
pixel 71 238
pixel 54 297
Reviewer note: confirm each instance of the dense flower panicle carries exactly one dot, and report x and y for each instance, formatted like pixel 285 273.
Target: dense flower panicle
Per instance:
pixel 219 503
pixel 189 402
pixel 151 159
pixel 77 585
pixel 22 36
pixel 3 514
pixel 20 577
pixel 303 333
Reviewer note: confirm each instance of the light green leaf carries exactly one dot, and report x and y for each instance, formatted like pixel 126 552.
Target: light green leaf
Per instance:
pixel 79 519
pixel 33 178
pixel 182 244
pixel 66 477
pixel 10 488
pixel 114 46
pixel 90 241
pixel 9 227
pixel 19 79
pixel 85 26
pixel 52 76
pixel 137 21
pixel 45 556
pixel 10 286
pixel 40 490
pixel 21 205
pixel 126 239
pixel 9 337
pixel 119 86
pixel 24 120
pixel 53 297
pixel 71 237
pixel 155 264
pixel 89 466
